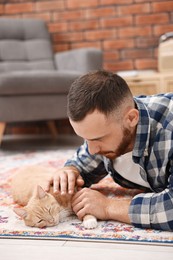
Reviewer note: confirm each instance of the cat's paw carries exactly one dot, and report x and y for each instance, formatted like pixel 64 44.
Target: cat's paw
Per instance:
pixel 89 222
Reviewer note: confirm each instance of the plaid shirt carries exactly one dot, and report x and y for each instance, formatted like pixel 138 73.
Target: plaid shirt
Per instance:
pixel 153 151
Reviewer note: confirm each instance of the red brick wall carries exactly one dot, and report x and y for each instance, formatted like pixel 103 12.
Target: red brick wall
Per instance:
pixel 126 30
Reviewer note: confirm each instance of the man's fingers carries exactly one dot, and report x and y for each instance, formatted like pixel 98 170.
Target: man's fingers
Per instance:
pixel 71 183
pixel 56 184
pixel 65 180
pixel 63 183
pixel 79 182
pixel 46 186
pixel 79 210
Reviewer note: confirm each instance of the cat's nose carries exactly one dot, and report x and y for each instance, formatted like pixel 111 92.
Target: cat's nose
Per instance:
pixel 55 221
pixel 52 221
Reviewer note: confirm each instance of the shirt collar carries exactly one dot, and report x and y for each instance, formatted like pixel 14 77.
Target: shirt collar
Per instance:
pixel 143 130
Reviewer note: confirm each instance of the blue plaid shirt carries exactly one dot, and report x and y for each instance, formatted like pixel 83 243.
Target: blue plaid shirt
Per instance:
pixel 153 151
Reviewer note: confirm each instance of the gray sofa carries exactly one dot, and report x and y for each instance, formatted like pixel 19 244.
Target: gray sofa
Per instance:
pixel 34 81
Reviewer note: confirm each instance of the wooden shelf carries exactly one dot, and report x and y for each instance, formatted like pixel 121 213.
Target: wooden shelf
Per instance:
pixel 149 83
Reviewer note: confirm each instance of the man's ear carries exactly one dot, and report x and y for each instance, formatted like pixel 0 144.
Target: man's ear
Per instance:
pixel 131 118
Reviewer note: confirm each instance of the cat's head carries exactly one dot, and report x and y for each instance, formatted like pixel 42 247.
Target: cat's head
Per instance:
pixel 41 211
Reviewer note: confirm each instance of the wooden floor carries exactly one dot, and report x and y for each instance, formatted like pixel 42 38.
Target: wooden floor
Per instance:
pixel 23 249
pixel 11 249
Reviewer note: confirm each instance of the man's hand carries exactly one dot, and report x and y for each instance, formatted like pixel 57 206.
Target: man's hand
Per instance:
pixel 65 180
pixel 88 201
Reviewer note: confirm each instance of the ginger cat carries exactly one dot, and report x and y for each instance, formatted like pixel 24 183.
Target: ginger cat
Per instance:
pixel 41 209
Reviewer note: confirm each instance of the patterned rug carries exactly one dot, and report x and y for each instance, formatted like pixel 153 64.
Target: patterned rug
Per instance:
pixel 109 231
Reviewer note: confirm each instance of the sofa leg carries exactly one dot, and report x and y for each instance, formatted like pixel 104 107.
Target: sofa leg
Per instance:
pixel 52 128
pixel 2 130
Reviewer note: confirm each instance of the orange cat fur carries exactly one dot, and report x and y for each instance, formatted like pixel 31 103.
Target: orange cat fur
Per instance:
pixel 40 208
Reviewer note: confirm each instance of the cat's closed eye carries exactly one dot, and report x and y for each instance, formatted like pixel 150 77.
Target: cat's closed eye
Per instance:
pixel 40 221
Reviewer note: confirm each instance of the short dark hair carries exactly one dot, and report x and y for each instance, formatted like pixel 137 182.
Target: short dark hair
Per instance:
pixel 101 90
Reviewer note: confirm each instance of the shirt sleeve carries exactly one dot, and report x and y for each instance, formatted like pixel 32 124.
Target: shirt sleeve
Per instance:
pixel 153 210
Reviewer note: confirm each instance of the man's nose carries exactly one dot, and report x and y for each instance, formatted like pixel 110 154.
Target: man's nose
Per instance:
pixel 93 148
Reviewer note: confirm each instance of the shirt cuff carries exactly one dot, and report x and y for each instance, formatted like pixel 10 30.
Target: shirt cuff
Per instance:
pixel 139 210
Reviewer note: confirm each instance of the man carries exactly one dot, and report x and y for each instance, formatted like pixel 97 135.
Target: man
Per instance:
pixel 130 138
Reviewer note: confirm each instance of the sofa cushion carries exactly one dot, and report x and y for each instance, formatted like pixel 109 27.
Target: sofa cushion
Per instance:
pixel 22 29
pixel 10 66
pixel 36 82
pixel 24 45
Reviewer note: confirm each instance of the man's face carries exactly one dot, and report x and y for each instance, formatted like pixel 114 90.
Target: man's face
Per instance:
pixel 105 136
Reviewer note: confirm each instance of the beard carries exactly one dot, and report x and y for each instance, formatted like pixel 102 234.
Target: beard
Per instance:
pixel 122 148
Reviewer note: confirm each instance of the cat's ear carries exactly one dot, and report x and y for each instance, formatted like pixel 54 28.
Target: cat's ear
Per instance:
pixel 40 192
pixel 21 212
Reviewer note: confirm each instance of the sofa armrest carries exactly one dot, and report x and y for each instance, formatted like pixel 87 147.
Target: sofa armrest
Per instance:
pixel 82 60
